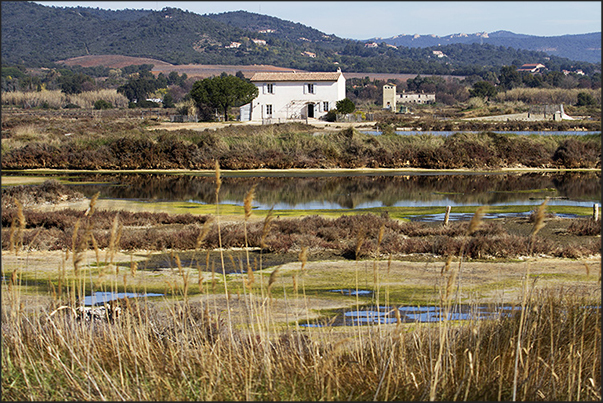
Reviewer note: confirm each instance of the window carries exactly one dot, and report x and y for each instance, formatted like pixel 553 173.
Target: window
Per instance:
pixel 325 106
pixel 270 88
pixel 268 109
pixel 310 88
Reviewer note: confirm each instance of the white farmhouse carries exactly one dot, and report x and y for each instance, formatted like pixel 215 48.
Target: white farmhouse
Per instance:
pixel 294 95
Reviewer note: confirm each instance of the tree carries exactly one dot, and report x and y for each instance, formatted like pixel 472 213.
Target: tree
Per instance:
pixel 483 89
pixel 138 88
pixel 223 92
pixel 585 99
pixel 168 101
pixel 75 83
pixel 509 77
pixel 345 106
pixel 102 104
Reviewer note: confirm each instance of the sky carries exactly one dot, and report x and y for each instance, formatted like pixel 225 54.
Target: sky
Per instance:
pixel 383 19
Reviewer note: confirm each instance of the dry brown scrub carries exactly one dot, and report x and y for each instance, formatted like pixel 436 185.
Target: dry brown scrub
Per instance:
pixel 160 231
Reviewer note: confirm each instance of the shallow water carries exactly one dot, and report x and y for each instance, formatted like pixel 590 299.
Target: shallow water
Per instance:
pixel 101 297
pixel 468 216
pixel 353 292
pixel 372 315
pixel 335 190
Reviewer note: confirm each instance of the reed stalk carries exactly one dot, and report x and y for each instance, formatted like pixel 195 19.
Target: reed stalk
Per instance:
pixel 538 225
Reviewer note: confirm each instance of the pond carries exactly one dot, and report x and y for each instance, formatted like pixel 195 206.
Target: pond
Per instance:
pixel 344 190
pixel 102 297
pixel 372 315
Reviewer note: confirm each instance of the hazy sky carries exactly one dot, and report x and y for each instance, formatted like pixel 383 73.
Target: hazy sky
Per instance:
pixel 369 19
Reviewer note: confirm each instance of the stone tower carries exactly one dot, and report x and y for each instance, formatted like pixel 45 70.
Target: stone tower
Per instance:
pixel 389 97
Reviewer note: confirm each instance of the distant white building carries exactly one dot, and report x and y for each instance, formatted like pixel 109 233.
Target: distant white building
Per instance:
pixel 532 67
pixel 293 95
pixel 416 98
pixel 391 98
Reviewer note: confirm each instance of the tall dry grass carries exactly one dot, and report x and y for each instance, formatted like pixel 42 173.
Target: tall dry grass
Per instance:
pixel 57 99
pixel 546 95
pixel 547 349
pixel 184 354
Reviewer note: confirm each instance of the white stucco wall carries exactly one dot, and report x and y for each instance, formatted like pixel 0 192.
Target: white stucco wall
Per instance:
pixel 290 99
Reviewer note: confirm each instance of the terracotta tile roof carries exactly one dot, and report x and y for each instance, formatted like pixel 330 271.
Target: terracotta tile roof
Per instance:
pixel 307 76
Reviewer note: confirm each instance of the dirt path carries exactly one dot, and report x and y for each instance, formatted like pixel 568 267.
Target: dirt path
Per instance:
pixel 201 126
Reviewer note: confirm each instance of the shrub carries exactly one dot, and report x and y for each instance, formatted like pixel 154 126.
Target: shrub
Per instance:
pixel 102 104
pixel 585 99
pixel 71 106
pixel 585 227
pixel 573 153
pixel 147 104
pixel 345 106
pixel 331 115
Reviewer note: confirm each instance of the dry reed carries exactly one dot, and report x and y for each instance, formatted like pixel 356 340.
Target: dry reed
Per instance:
pixel 56 99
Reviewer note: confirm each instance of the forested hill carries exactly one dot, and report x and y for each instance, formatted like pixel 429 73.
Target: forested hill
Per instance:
pixel 34 35
pixel 584 47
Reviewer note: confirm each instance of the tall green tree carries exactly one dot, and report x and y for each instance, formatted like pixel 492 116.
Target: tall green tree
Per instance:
pixel 585 99
pixel 223 92
pixel 138 87
pixel 345 106
pixel 509 77
pixel 75 83
pixel 483 89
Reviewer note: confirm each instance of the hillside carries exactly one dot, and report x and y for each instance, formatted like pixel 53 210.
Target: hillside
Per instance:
pixel 240 38
pixel 583 47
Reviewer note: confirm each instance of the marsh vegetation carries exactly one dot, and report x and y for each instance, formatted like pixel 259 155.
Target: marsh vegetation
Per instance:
pixel 230 324
pixel 62 142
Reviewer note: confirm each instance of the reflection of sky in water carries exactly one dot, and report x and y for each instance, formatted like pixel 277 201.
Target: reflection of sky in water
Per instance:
pixel 353 292
pixel 468 216
pixel 326 205
pixel 421 314
pixel 100 297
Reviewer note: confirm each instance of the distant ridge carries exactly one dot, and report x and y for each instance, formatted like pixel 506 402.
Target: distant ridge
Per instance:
pixel 35 35
pixel 583 47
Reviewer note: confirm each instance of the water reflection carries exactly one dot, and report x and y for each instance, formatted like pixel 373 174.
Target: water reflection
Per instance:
pixel 353 292
pixel 468 216
pixel 353 191
pixel 372 315
pixel 101 297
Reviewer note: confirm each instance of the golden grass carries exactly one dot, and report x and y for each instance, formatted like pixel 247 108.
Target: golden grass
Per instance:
pixel 546 95
pixel 56 99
